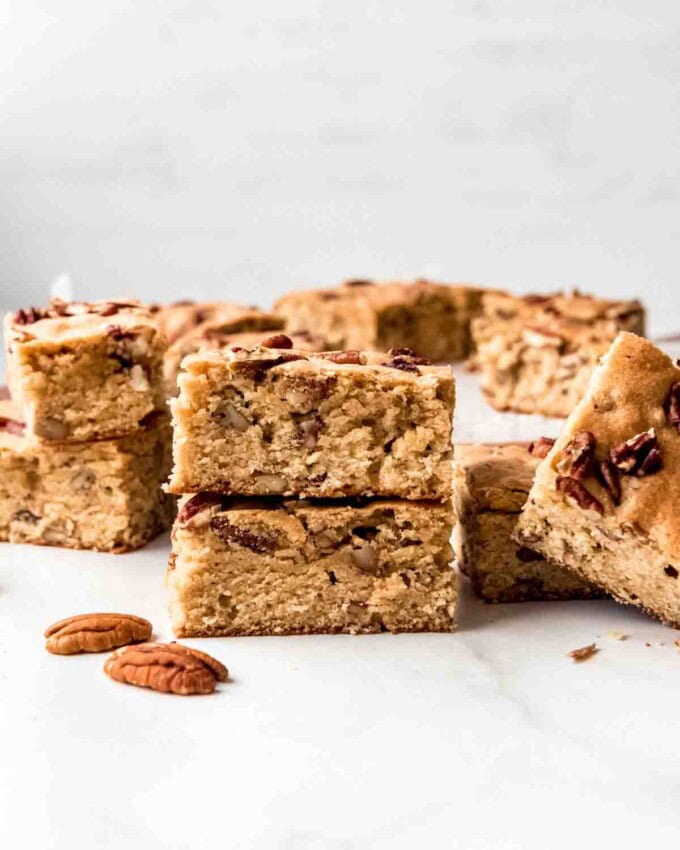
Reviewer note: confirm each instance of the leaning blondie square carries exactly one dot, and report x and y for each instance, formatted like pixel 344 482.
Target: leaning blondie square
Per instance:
pixel 605 500
pixel 273 567
pixel 536 353
pixel 279 421
pixel 104 495
pixel 85 371
pixel 430 318
pixel 491 485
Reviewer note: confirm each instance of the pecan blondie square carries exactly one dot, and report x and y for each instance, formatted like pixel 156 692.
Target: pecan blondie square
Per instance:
pixel 85 371
pixel 104 495
pixel 536 353
pixel 430 318
pixel 605 500
pixel 289 422
pixel 273 567
pixel 491 485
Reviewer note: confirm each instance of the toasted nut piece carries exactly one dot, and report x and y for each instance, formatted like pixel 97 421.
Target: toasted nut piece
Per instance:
pixel 575 491
pixel 579 456
pixel 584 652
pixel 167 667
pixel 541 447
pixel 95 633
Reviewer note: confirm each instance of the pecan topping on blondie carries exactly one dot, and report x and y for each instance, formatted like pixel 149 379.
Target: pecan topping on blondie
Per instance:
pixel 640 455
pixel 573 489
pixel 12 426
pixel 353 358
pixel 230 533
pixel 579 456
pixel 277 341
pixel 608 476
pixel 197 503
pixel 673 406
pixel 541 447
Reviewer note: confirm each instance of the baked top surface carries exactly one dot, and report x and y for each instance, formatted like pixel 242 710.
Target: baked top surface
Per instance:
pixel 497 476
pixel 573 306
pixel 63 321
pixel 387 293
pixel 627 396
pixel 395 366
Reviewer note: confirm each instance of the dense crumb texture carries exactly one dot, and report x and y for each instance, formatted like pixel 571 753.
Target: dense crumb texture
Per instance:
pixel 104 495
pixel 85 371
pixel 491 485
pixel 605 500
pixel 288 422
pixel 250 567
pixel 537 353
pixel 430 318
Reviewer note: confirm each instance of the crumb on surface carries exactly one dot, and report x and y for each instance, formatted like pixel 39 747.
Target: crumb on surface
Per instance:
pixel 584 652
pixel 617 635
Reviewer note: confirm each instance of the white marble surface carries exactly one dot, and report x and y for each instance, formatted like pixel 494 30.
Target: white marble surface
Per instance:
pixel 489 738
pixel 170 148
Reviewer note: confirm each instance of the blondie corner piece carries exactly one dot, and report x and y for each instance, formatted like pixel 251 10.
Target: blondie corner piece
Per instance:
pixel 536 353
pixel 104 495
pixel 274 567
pixel 605 500
pixel 430 318
pixel 85 371
pixel 491 485
pixel 327 425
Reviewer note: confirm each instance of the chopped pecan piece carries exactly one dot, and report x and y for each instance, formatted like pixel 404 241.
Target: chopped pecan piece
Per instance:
pixel 257 367
pixel 640 455
pixel 12 426
pixel 608 476
pixel 117 333
pixel 196 504
pixel 359 282
pixel 402 363
pixel 584 652
pixel 95 633
pixel 29 316
pixel 409 354
pixel 309 431
pixel 671 571
pixel 167 667
pixel 541 447
pixel 228 532
pixel 672 406
pixel 527 555
pixel 277 341
pixel 573 489
pixel 579 456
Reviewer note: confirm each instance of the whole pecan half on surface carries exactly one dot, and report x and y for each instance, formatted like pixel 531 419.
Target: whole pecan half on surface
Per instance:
pixel 578 457
pixel 95 633
pixel 170 668
pixel 574 490
pixel 640 455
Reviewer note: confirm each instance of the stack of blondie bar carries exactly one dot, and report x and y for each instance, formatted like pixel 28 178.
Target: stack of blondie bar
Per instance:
pixel 316 493
pixel 84 438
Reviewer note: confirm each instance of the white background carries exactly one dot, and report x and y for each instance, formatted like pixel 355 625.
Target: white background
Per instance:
pixel 168 148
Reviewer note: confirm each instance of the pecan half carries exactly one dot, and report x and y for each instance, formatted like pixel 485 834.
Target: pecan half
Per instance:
pixel 672 406
pixel 579 455
pixel 541 447
pixel 262 542
pixel 12 426
pixel 608 476
pixel 167 667
pixel 640 455
pixel 277 341
pixel 574 490
pixel 95 633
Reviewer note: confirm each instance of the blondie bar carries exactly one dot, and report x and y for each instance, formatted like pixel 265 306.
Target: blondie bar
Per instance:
pixel 287 422
pixel 536 353
pixel 605 500
pixel 272 567
pixel 491 485
pixel 104 495
pixel 183 317
pixel 85 371
pixel 432 319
